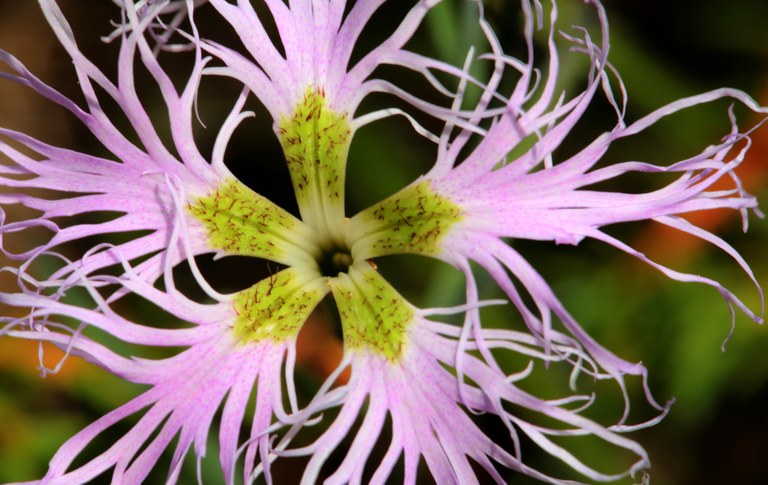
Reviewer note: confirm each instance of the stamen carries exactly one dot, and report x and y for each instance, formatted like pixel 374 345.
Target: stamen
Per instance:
pixel 334 261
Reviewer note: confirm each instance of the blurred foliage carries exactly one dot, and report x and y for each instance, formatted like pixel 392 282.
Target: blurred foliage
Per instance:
pixel 663 51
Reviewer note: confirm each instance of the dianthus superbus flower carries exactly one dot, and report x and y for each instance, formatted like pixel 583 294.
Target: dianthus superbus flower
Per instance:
pixel 495 177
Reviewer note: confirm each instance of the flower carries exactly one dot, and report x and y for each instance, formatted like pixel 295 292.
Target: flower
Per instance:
pixel 495 177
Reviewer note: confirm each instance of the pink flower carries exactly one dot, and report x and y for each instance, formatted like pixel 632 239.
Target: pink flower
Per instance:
pixel 497 176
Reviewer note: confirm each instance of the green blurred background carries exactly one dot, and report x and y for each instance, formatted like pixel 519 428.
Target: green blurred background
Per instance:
pixel 716 431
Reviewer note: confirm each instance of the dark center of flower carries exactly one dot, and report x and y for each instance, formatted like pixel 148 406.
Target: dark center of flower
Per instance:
pixel 334 261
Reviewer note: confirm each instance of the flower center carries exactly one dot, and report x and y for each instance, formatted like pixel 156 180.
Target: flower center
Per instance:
pixel 335 261
pixel 324 250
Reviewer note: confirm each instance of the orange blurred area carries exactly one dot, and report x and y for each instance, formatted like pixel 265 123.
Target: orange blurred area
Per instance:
pixel 668 245
pixel 22 356
pixel 319 349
